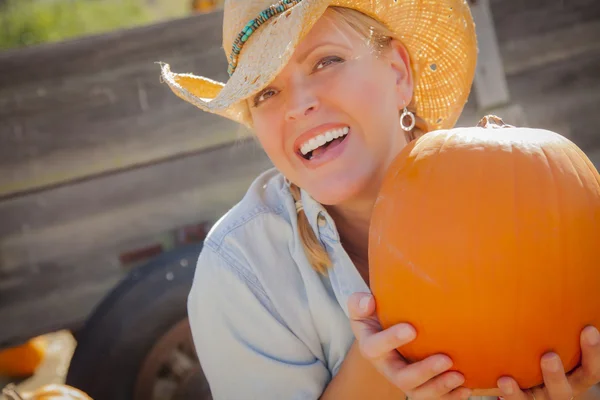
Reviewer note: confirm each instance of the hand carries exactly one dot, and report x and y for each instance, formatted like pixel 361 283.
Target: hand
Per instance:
pixel 426 379
pixel 557 385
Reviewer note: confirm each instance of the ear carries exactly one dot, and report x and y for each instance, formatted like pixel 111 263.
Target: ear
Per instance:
pixel 400 63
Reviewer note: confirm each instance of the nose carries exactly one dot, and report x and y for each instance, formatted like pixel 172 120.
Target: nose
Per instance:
pixel 302 101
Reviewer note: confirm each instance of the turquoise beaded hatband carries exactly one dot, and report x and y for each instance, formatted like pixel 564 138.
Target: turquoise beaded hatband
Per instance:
pixel 265 15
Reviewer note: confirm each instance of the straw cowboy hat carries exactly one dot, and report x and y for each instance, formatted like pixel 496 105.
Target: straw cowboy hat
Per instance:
pixel 260 36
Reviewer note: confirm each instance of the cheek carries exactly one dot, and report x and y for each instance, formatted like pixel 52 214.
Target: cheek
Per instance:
pixel 268 130
pixel 269 140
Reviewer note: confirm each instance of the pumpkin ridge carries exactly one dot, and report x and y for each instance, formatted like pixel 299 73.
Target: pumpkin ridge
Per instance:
pixel 586 161
pixel 560 205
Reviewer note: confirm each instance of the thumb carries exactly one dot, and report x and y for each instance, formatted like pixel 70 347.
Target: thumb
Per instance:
pixel 361 305
pixel 363 321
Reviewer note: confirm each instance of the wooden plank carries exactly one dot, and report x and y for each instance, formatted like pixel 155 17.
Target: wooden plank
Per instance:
pixel 537 51
pixel 520 19
pixel 490 85
pixel 69 289
pixel 74 220
pixel 563 95
pixel 105 108
pixel 124 52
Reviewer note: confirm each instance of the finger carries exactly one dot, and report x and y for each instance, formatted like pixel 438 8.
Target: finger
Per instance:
pixel 511 391
pixel 361 309
pixel 361 305
pixel 440 386
pixel 381 344
pixel 588 373
pixel 418 373
pixel 374 342
pixel 556 384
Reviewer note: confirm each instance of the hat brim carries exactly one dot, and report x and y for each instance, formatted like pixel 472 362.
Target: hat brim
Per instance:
pixel 265 54
pixel 438 35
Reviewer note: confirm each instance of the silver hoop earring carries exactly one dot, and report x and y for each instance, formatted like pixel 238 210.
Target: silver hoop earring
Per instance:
pixel 413 120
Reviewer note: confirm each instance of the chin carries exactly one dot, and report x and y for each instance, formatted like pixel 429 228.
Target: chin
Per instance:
pixel 338 190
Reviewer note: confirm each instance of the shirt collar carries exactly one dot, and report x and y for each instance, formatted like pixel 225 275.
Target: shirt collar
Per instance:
pixel 343 275
pixel 318 217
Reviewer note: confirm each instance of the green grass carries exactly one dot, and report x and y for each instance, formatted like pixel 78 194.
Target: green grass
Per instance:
pixel 30 22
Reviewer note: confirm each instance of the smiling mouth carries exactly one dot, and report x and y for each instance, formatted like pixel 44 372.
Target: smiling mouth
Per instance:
pixel 319 144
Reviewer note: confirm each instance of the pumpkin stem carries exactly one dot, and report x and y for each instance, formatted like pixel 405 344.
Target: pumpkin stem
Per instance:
pixel 10 391
pixel 493 122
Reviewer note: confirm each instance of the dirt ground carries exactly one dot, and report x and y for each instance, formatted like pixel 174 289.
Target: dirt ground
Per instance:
pixel 53 368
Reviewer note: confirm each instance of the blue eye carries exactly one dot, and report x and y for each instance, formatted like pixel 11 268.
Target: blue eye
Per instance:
pixel 326 61
pixel 262 96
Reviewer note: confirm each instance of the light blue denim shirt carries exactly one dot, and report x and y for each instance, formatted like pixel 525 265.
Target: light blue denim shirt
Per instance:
pixel 264 323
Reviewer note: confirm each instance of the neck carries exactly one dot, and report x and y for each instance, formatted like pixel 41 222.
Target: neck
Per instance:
pixel 352 220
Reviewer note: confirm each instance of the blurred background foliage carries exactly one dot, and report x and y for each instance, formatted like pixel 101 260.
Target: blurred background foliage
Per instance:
pixel 31 22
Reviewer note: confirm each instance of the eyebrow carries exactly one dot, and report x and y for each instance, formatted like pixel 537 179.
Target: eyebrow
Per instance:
pixel 304 56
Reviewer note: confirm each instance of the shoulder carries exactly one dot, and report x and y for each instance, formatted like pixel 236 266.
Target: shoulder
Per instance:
pixel 267 200
pixel 255 252
pixel 253 260
pixel 256 242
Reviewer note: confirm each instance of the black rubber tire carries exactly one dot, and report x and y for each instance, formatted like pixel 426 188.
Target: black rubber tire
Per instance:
pixel 128 321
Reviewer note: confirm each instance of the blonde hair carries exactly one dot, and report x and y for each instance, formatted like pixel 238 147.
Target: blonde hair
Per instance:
pixel 379 37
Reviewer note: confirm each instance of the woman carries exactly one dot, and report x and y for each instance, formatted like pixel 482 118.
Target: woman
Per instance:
pixel 333 90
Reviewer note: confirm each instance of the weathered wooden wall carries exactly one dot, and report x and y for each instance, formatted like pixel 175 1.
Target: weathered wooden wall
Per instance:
pixel 97 156
pixel 551 51
pixel 96 106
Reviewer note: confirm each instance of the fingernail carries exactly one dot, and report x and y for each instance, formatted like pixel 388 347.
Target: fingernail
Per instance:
pixel 364 302
pixel 593 337
pixel 405 333
pixel 551 362
pixel 442 364
pixel 505 386
pixel 455 380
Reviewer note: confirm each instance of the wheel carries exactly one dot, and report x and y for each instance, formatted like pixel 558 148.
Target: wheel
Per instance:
pixel 137 343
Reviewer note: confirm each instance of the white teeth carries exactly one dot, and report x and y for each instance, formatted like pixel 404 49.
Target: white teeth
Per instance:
pixel 323 138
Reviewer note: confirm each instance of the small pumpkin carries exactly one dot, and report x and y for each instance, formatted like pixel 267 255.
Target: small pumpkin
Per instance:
pixel 23 360
pixel 486 239
pixel 204 5
pixel 48 392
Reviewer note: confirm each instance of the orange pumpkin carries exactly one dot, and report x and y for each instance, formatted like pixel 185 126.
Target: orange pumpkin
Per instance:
pixel 48 392
pixel 23 360
pixel 204 5
pixel 488 242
